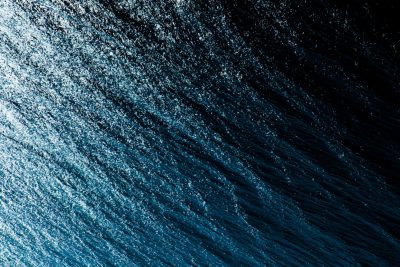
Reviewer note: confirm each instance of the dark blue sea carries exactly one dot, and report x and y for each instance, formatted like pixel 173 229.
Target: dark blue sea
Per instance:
pixel 199 133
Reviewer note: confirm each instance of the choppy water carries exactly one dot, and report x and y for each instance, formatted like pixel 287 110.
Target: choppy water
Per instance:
pixel 255 133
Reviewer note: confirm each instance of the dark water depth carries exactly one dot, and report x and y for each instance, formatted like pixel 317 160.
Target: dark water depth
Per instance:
pixel 199 133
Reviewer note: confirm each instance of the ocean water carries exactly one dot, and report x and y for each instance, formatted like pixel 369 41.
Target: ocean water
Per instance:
pixel 199 133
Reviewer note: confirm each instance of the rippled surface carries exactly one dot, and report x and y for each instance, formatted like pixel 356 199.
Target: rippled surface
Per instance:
pixel 198 133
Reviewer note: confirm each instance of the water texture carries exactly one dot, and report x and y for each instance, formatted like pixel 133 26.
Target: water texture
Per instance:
pixel 199 133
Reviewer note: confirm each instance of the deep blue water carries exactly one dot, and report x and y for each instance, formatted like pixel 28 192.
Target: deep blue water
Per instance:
pixel 199 133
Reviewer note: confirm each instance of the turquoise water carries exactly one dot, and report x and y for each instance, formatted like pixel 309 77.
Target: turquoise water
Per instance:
pixel 255 133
